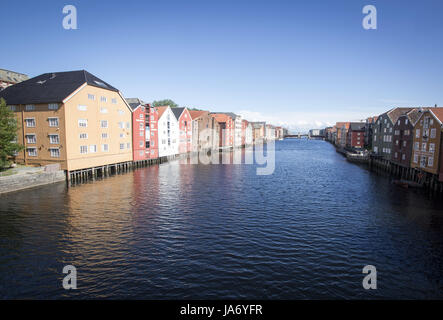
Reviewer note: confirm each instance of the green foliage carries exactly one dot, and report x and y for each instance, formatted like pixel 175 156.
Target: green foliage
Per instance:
pixel 165 102
pixel 8 134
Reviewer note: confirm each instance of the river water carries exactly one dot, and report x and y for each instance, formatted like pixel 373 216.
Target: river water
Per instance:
pixel 178 231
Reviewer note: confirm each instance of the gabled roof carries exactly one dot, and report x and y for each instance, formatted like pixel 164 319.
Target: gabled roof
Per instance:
pixel 258 124
pixel 134 103
pixel 438 113
pixel 12 76
pixel 394 113
pixel 51 87
pixel 161 110
pixel 177 112
pixel 197 113
pixel 220 117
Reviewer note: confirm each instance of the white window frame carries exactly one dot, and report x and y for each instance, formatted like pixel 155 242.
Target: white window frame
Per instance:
pixel 52 106
pixel 27 122
pixel 30 107
pixel 51 136
pixel 32 154
pixel 57 155
pixel 53 119
pixel 84 149
pixel 93 148
pixel 28 140
pixel 104 124
pixel 83 121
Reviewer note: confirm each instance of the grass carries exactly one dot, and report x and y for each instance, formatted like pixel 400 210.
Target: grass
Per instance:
pixel 10 171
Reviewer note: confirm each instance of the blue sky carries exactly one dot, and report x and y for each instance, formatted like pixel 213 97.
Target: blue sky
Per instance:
pixel 299 63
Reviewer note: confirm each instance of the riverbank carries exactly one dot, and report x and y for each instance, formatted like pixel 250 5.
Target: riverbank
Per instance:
pixel 30 177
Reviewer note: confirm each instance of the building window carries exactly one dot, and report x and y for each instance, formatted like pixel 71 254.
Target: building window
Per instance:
pixel 104 135
pixel 30 107
pixel 83 149
pixel 54 139
pixel 30 138
pixel 141 133
pixel 103 110
pixel 83 136
pixel 91 96
pixel 104 123
pixel 114 101
pixel 128 125
pixel 93 148
pixel 105 147
pixel 396 155
pixel 141 125
pixel 32 152
pixel 53 122
pixel 103 99
pixel 121 125
pixel 407 132
pixel 141 115
pixel 13 108
pixel 432 147
pixel 403 156
pixel 141 144
pixel 417 146
pixel 30 122
pixel 430 161
pixel 423 146
pixel 415 158
pixel 128 146
pixel 433 133
pixel 423 162
pixel 417 133
pixel 397 132
pixel 122 135
pixel 122 146
pixel 120 112
pixel 82 123
pixel 404 143
pixel 53 106
pixel 82 108
pixel 406 121
pixel 55 152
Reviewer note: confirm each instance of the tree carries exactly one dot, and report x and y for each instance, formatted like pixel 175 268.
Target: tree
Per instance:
pixel 8 134
pixel 165 102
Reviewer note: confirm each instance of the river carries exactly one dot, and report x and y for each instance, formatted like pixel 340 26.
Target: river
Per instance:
pixel 178 231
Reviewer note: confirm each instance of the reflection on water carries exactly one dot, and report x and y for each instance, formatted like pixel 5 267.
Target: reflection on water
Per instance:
pixel 221 231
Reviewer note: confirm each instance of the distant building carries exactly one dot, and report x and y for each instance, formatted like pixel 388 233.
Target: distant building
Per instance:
pixel 427 150
pixel 226 127
pixel 258 131
pixel 356 135
pixel 8 78
pixel 72 118
pixel 341 133
pixel 144 130
pixel 205 131
pixel 168 132
pixel 185 126
pixel 382 141
pixel 369 128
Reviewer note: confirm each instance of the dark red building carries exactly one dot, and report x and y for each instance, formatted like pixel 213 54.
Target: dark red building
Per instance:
pixel 355 138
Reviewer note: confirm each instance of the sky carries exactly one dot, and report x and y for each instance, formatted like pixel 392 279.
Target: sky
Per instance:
pixel 301 64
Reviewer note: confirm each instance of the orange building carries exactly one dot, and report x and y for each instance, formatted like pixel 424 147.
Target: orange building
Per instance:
pixel 72 118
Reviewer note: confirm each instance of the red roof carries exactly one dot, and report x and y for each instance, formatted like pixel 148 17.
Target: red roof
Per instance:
pixel 161 110
pixel 196 113
pixel 438 113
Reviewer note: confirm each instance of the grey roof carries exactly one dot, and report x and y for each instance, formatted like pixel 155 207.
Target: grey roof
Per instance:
pixel 258 125
pixel 12 76
pixel 357 126
pixel 231 114
pixel 134 103
pixel 177 112
pixel 51 87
